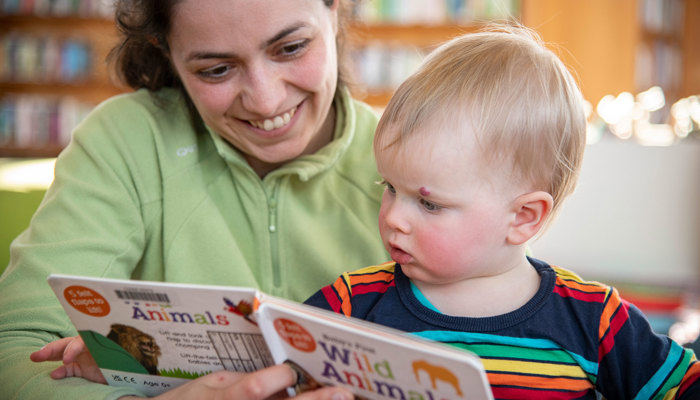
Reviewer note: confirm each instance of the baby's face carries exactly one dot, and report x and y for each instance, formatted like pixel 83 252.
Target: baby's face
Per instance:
pixel 440 218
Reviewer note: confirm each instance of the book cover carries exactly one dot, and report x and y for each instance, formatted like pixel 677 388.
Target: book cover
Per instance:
pixel 372 361
pixel 155 336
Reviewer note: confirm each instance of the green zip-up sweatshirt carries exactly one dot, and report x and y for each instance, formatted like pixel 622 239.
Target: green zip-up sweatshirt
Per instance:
pixel 139 194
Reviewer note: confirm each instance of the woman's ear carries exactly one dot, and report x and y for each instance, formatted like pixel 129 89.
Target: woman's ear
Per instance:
pixel 531 211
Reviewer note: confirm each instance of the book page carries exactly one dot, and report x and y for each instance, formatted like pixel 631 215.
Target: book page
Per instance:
pixel 155 336
pixel 373 362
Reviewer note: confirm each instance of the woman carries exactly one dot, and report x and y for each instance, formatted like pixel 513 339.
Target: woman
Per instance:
pixel 241 161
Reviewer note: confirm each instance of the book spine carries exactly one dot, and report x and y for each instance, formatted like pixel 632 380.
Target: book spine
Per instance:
pixel 30 120
pixel 40 58
pixel 430 12
pixel 58 8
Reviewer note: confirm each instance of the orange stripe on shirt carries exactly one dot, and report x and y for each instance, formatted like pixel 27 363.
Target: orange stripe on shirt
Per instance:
pixel 530 381
pixel 610 307
pixel 370 278
pixel 581 286
pixel 691 375
pixel 341 287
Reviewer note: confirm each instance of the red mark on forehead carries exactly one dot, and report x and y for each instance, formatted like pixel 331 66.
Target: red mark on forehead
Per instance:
pixel 423 191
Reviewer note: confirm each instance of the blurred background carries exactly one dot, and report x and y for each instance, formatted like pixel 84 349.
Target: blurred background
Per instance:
pixel 634 220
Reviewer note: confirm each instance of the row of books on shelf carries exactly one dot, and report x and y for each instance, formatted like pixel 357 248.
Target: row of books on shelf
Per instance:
pixel 434 11
pixel 44 58
pixel 58 8
pixel 662 16
pixel 659 63
pixel 382 66
pixel 34 120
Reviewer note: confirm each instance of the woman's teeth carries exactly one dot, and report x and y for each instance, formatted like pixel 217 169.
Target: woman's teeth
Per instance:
pixel 276 122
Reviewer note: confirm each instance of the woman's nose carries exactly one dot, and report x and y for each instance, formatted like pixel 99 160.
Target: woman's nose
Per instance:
pixel 263 91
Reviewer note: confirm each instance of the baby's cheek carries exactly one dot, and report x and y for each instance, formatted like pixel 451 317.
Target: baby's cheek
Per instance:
pixel 438 246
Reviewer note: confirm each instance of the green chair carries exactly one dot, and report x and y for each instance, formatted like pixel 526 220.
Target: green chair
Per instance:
pixel 16 210
pixel 23 183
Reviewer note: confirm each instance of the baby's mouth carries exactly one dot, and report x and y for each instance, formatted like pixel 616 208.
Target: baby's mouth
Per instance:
pixel 275 122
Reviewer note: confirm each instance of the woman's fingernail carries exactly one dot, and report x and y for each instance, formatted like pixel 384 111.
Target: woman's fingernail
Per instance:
pixel 342 396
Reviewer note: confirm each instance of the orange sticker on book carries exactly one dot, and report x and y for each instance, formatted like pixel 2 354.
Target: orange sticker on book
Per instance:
pixel 295 335
pixel 87 301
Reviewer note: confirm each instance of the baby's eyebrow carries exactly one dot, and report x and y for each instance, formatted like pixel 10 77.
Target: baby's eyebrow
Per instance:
pixel 423 191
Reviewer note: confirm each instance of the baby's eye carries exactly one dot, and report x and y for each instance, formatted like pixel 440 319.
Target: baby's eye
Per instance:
pixel 388 186
pixel 429 205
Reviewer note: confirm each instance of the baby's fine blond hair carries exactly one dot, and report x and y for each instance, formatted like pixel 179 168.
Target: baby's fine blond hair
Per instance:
pixel 519 98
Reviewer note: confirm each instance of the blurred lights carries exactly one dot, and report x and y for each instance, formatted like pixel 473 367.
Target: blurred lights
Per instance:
pixel 615 110
pixel 627 116
pixel 652 99
pixel 687 329
pixel 27 175
pixel 685 114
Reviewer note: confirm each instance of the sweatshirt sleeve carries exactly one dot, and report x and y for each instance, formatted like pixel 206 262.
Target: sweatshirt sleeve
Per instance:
pixel 660 367
pixel 89 223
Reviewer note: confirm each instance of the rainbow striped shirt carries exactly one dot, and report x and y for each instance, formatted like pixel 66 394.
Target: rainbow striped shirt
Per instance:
pixel 572 339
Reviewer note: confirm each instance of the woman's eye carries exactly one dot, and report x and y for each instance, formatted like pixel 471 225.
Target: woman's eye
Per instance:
pixel 429 205
pixel 293 48
pixel 216 72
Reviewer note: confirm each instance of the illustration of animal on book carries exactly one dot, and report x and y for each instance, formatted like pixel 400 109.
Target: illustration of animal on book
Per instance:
pixel 125 348
pixel 436 373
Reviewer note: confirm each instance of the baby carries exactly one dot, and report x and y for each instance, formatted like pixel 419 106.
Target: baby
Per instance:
pixel 478 150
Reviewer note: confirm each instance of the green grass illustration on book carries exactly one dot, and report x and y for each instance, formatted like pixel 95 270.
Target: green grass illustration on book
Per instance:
pixel 128 349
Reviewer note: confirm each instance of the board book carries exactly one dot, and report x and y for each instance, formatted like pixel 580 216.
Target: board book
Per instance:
pixel 154 336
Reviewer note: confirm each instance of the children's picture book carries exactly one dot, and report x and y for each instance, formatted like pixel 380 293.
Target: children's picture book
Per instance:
pixel 154 336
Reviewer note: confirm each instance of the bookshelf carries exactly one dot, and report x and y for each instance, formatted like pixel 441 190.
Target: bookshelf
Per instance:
pixel 623 45
pixel 391 37
pixel 385 53
pixel 602 41
pixel 52 72
pixel 390 32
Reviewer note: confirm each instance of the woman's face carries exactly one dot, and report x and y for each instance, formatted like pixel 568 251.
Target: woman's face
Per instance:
pixel 262 74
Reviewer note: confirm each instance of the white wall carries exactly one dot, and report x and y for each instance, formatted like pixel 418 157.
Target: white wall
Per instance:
pixel 635 216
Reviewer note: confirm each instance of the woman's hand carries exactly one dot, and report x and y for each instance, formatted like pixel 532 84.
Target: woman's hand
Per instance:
pixel 264 384
pixel 76 358
pixel 268 383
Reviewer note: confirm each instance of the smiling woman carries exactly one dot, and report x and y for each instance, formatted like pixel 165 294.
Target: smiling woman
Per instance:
pixel 282 68
pixel 240 159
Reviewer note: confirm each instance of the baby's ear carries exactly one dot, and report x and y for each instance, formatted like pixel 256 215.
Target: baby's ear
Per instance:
pixel 531 211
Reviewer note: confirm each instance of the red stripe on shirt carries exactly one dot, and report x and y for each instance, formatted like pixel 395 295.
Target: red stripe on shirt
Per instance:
pixel 618 320
pixel 532 394
pixel 377 287
pixel 331 298
pixel 565 291
pixel 691 376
